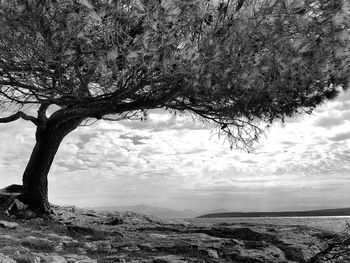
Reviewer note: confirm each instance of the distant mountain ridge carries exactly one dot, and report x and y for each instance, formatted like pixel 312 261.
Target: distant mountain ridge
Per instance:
pixel 167 213
pixel 160 212
pixel 322 212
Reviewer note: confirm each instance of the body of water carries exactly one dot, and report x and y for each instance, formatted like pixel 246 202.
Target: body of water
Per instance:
pixel 329 223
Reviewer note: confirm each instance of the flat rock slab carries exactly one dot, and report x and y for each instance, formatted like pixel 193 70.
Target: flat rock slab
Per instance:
pixel 169 259
pixel 11 225
pixel 78 236
pixel 5 259
pixel 38 243
pixel 71 258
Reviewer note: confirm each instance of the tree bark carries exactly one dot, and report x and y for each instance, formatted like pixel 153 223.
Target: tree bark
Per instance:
pixel 35 182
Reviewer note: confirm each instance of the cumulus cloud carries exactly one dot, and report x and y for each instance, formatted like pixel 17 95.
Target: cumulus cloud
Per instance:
pixel 180 162
pixel 341 136
pixel 329 121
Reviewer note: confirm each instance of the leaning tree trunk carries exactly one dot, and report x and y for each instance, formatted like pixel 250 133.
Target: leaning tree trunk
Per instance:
pixel 35 183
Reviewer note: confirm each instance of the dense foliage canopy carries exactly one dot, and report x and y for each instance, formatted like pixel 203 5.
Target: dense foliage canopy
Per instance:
pixel 233 63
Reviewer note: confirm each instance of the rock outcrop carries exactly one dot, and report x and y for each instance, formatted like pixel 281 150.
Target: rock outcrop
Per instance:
pixel 76 235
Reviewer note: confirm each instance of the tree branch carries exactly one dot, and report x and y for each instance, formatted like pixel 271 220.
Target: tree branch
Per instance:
pixel 19 85
pixel 42 118
pixel 18 115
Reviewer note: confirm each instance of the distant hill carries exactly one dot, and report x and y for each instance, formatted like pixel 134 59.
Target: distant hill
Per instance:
pixel 323 212
pixel 216 211
pixel 159 212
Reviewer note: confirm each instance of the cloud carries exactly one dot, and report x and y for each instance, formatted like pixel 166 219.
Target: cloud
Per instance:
pixel 136 139
pixel 289 143
pixel 333 113
pixel 345 106
pixel 329 121
pixel 341 136
pixel 177 162
pixel 346 115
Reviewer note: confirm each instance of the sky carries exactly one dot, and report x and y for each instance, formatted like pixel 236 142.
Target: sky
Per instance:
pixel 180 163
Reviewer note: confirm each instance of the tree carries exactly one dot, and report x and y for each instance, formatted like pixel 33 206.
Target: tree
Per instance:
pixel 237 64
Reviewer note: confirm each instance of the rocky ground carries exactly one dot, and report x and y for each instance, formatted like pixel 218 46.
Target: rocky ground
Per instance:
pixel 76 235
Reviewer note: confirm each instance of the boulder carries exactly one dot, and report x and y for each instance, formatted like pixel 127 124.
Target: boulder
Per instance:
pixel 5 259
pixel 13 188
pixel 298 245
pixel 11 225
pixel 72 258
pixel 114 221
pixel 47 258
pixel 14 249
pixel 211 253
pixel 5 237
pixel 116 258
pixel 26 257
pixel 16 206
pixel 91 247
pixel 147 247
pixel 11 201
pixel 266 254
pixel 8 194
